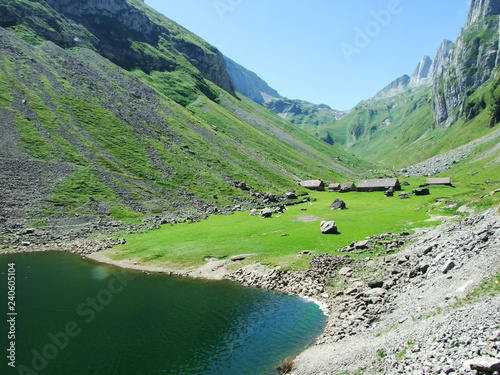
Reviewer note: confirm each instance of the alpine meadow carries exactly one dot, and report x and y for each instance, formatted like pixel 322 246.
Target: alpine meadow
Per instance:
pixel 132 142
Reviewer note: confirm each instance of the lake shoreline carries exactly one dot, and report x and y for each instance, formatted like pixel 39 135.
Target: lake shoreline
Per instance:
pixel 375 304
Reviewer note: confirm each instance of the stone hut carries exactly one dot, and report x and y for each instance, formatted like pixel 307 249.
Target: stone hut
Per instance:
pixel 316 185
pixel 334 187
pixel 379 185
pixel 348 186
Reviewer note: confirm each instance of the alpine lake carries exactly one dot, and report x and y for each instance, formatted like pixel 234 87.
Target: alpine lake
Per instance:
pixel 63 314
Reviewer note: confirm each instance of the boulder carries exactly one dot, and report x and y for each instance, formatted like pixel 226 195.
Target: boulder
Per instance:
pixel 338 204
pixel 344 271
pixel 448 267
pixel 403 195
pixel 375 292
pixel 329 227
pixel 420 191
pixel 266 213
pixel 376 284
pixel 483 364
pixel 279 209
pixel 254 212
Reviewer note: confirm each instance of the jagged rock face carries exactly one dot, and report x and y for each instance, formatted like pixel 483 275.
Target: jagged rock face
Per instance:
pixel 250 84
pixel 480 9
pixel 469 64
pixel 421 71
pixel 115 24
pixel 395 87
pixel 440 58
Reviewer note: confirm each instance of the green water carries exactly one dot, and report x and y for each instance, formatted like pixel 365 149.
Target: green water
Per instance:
pixel 78 317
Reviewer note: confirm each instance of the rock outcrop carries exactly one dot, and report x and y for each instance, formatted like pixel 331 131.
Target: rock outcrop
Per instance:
pixel 117 30
pixel 250 84
pixel 421 72
pixel 470 64
pixel 439 60
pixel 480 9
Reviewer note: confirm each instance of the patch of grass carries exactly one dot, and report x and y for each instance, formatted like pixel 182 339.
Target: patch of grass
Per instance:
pixel 278 240
pixel 26 33
pixel 381 353
pixel 490 287
pixel 123 214
pixel 32 140
pixel 75 190
pixel 401 355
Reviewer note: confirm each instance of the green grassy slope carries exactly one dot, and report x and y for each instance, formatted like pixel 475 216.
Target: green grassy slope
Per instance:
pixel 139 152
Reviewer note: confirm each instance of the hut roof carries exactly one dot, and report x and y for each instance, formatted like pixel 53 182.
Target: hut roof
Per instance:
pixel 348 185
pixel 439 181
pixel 380 183
pixel 334 185
pixel 311 183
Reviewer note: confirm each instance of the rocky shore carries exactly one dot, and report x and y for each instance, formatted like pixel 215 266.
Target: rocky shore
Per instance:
pixel 402 313
pixel 399 312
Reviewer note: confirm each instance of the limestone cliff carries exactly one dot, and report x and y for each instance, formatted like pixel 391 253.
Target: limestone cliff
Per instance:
pixel 421 72
pixel 440 58
pixel 250 84
pixel 470 63
pixel 129 33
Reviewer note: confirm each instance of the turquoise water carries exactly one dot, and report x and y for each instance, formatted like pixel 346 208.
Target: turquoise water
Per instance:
pixel 75 316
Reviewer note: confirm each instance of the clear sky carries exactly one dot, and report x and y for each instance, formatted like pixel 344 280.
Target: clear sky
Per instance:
pixel 336 52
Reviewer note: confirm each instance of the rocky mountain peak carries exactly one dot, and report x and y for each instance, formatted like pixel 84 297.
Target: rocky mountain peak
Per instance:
pixel 395 87
pixel 480 9
pixel 439 59
pixel 421 72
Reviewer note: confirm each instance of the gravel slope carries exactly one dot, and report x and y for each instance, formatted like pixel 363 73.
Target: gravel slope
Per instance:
pixel 407 325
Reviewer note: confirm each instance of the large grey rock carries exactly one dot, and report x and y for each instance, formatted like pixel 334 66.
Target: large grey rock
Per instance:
pixel 266 213
pixel 375 292
pixel 329 227
pixel 483 364
pixel 403 195
pixel 338 204
pixel 420 191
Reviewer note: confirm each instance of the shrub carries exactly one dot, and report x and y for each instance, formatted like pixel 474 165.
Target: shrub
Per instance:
pixel 286 366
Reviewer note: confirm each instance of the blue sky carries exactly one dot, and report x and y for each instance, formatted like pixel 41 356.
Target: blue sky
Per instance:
pixel 336 52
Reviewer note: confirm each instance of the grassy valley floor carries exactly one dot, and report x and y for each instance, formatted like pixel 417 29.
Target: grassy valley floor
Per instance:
pixel 281 240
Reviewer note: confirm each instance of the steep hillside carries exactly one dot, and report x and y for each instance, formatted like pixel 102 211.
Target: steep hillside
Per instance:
pixel 128 33
pixel 84 141
pixel 307 116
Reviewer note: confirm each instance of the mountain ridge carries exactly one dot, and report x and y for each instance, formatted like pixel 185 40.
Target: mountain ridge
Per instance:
pixel 455 90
